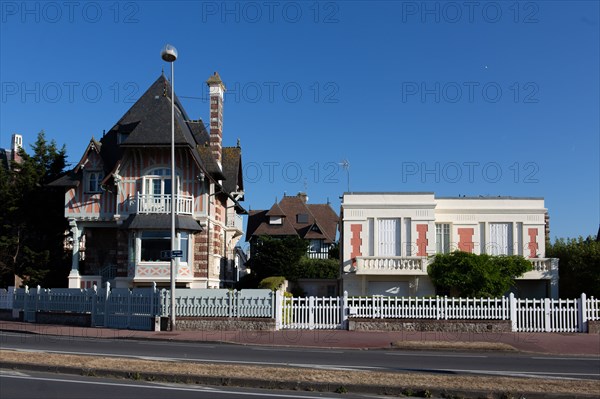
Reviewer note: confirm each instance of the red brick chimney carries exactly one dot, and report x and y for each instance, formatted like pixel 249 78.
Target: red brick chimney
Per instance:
pixel 217 92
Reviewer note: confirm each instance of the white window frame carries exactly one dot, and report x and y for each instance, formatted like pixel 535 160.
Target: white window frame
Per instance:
pixel 93 183
pixel 161 174
pixel 182 237
pixel 275 220
pixel 442 238
pixel 504 245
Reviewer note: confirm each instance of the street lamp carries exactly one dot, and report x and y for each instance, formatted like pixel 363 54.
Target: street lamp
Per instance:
pixel 169 54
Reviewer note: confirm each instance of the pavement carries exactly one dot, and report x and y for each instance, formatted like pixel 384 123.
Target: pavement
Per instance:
pixel 543 343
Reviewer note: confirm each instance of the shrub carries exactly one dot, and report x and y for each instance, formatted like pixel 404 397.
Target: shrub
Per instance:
pixel 272 283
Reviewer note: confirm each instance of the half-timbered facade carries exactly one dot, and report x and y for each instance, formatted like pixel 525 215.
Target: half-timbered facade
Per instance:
pixel 118 198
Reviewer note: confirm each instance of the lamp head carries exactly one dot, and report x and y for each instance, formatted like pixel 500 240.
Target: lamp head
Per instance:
pixel 169 53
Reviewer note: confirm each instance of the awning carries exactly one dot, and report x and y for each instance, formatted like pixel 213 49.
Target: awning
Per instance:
pixel 160 222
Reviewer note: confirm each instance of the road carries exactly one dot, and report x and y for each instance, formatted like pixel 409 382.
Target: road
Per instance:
pixel 448 362
pixel 36 385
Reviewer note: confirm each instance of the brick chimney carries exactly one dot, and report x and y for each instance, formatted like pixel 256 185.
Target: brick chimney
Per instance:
pixel 15 145
pixel 217 92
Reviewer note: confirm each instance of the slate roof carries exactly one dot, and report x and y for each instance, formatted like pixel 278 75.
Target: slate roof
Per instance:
pixel 320 215
pixel 160 222
pixel 148 124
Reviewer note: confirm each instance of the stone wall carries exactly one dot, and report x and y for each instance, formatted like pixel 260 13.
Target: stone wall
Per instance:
pixel 475 326
pixel 594 327
pixel 65 319
pixel 223 324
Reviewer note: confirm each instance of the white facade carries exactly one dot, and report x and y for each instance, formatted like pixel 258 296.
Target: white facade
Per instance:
pixel 388 237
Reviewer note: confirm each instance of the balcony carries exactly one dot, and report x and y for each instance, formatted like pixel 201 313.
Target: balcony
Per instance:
pixel 391 265
pixel 235 222
pixel 543 268
pixel 152 204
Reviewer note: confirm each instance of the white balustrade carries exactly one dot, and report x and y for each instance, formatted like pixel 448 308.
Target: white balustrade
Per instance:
pixel 161 203
pixel 406 265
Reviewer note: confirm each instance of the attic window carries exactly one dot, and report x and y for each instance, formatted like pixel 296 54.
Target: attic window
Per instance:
pixel 302 218
pixel 275 220
pixel 315 228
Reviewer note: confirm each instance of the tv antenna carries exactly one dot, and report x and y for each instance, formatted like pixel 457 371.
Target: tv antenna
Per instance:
pixel 345 164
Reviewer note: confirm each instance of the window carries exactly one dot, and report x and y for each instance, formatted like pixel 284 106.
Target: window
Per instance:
pixel 184 241
pixel 158 182
pixel 154 242
pixel 442 238
pixel 389 237
pixel 501 241
pixel 275 220
pixel 94 180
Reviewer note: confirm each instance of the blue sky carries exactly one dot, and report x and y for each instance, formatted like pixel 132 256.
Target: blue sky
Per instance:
pixel 458 98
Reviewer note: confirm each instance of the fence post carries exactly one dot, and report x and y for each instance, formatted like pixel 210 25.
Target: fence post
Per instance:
pixel 344 310
pixel 129 298
pixel 106 295
pixel 311 313
pixel 547 312
pixel 513 312
pixel 278 309
pixel 582 316
pixel 93 299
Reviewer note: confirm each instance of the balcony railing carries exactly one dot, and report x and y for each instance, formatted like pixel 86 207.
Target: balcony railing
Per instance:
pixel 235 221
pixel 152 203
pixel 403 265
pixel 317 255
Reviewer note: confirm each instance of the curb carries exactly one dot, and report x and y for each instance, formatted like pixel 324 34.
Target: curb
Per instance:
pixel 283 385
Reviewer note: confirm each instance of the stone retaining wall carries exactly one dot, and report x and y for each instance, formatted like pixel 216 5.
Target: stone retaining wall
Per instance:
pixel 474 326
pixel 64 318
pixel 224 324
pixel 594 327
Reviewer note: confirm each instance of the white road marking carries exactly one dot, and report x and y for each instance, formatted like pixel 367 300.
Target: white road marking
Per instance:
pixel 416 354
pixel 166 387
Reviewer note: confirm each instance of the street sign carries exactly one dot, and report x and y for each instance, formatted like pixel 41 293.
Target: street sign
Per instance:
pixel 177 253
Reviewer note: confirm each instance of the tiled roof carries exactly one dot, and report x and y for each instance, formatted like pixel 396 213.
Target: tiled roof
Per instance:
pixel 232 169
pixel 320 215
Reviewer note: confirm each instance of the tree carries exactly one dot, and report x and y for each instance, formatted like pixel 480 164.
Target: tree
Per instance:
pixel 274 256
pixel 579 266
pixel 466 274
pixel 32 223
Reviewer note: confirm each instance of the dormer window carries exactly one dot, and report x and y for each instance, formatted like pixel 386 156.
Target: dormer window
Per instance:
pixel 275 220
pixel 94 181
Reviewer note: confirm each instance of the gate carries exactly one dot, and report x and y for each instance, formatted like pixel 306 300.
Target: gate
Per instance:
pixel 312 313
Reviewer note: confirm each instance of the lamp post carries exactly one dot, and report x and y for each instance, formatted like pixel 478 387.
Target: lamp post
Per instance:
pixel 169 54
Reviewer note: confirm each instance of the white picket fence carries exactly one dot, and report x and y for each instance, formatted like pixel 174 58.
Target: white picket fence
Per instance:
pixel 139 308
pixel 526 315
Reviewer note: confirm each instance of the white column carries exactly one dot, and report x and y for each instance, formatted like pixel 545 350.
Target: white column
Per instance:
pixel 74 277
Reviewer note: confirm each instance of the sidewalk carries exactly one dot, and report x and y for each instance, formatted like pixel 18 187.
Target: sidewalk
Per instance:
pixel 546 343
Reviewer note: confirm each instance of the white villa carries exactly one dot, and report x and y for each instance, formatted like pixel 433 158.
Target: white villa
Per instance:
pixel 386 239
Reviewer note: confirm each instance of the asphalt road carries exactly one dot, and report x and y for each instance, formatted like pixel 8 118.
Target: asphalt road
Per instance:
pixel 447 362
pixel 36 385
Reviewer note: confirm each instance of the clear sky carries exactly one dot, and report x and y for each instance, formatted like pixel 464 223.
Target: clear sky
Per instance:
pixel 458 98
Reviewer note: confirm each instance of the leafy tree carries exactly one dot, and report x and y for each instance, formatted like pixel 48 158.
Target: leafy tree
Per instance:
pixel 466 274
pixel 274 256
pixel 32 223
pixel 579 266
pixel 319 268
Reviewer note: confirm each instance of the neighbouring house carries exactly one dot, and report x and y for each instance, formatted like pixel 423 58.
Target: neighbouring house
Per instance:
pixel 294 216
pixel 118 198
pixel 387 239
pixel 10 156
